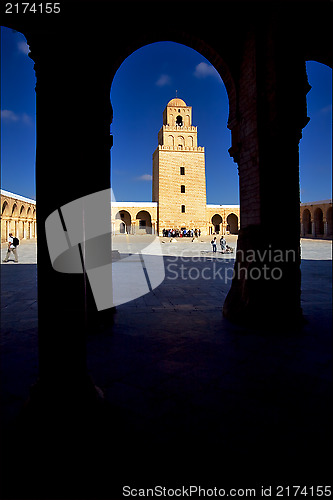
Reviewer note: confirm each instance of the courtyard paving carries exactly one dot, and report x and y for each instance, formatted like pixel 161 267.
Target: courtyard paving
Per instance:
pixel 171 365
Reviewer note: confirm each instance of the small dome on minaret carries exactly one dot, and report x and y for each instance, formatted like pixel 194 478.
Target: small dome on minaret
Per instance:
pixel 177 102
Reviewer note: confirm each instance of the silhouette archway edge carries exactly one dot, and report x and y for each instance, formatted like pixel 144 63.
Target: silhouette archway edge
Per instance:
pixel 197 44
pixel 253 46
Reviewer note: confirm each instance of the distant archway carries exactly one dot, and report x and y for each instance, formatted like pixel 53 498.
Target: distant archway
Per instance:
pixel 14 210
pixel 232 223
pixel 145 226
pixel 123 222
pixel 217 221
pixel 5 209
pixel 306 221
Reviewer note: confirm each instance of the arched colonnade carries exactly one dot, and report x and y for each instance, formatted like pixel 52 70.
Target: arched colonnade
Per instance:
pixel 18 216
pixel 316 219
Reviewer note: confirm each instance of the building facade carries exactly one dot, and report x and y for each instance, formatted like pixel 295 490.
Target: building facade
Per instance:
pixel 178 193
pixel 316 219
pixel 18 216
pixel 179 185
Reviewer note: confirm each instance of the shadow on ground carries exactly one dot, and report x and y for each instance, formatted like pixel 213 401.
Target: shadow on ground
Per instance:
pixel 189 399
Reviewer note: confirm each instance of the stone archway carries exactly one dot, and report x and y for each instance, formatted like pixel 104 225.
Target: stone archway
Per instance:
pixel 260 99
pixel 232 223
pixel 267 114
pixel 123 222
pixel 15 211
pixel 5 209
pixel 23 211
pixel 306 222
pixel 217 223
pixel 144 222
pixel 261 102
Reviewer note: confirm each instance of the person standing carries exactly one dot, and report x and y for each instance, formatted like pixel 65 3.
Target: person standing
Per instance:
pixel 223 244
pixel 12 244
pixel 214 244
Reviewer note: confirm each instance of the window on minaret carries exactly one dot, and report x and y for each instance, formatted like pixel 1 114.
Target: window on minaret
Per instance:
pixel 182 170
pixel 179 121
pixel 183 209
pixel 182 188
pixel 181 141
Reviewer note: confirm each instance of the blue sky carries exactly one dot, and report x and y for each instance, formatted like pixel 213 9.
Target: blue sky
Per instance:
pixel 142 87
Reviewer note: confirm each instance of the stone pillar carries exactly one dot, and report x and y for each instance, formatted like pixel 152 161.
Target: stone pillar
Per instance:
pixel 272 112
pixel 325 228
pixel 72 161
pixel 313 229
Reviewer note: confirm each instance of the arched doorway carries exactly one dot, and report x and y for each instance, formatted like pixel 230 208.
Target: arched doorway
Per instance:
pixel 123 222
pixel 232 223
pixel 217 223
pixel 140 106
pixel 144 219
pixel 306 222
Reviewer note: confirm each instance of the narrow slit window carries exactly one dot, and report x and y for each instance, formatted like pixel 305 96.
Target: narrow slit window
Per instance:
pixel 183 209
pixel 182 170
pixel 182 188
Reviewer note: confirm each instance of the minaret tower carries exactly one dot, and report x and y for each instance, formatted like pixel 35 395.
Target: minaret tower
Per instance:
pixel 179 180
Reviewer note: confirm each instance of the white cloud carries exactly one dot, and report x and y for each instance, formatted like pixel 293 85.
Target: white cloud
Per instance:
pixel 326 109
pixel 26 119
pixel 23 47
pixel 9 116
pixel 144 177
pixel 163 80
pixel 202 70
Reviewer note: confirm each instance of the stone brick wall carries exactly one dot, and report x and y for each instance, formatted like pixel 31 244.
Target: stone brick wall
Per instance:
pixel 179 179
pixel 167 164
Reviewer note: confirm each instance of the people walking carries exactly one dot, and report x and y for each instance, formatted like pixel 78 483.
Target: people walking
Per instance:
pixel 12 244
